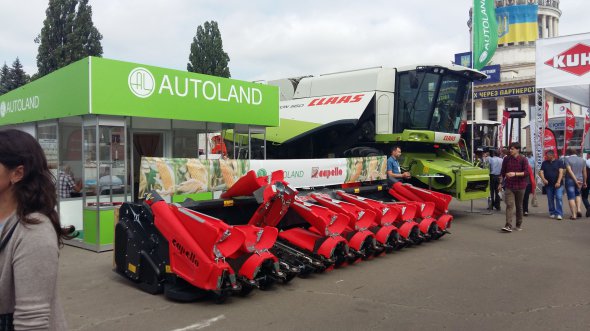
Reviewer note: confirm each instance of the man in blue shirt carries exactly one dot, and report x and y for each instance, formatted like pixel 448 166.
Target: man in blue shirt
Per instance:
pixel 495 168
pixel 394 172
pixel 552 173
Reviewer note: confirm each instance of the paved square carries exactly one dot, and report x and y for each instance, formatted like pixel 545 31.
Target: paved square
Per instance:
pixel 477 278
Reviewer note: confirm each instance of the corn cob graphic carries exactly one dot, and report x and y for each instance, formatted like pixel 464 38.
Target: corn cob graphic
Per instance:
pixel 356 172
pixel 191 186
pixel 227 172
pixel 165 176
pixel 197 170
pixel 372 171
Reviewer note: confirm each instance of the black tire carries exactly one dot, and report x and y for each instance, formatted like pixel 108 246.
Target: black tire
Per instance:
pixel 362 151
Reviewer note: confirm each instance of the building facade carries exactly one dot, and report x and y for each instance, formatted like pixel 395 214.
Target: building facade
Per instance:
pixel 515 89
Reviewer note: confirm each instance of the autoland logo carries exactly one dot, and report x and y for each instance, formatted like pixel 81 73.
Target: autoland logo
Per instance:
pixel 2 109
pixel 575 60
pixel 143 84
pixel 18 105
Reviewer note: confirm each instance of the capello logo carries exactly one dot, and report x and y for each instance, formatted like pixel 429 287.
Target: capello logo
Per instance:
pixel 141 82
pixel 575 60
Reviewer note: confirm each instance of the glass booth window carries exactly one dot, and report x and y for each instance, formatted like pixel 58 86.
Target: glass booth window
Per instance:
pixel 185 144
pixel 47 138
pixel 112 160
pixel 70 155
pixel 104 165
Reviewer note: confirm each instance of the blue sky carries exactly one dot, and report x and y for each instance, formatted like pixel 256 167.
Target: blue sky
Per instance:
pixel 270 39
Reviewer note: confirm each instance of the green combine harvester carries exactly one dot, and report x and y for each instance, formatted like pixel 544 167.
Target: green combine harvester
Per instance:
pixel 365 112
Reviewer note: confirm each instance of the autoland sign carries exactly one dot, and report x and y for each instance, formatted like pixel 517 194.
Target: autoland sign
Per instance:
pixel 108 87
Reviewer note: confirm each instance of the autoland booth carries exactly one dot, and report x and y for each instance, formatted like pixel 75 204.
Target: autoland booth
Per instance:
pixel 97 117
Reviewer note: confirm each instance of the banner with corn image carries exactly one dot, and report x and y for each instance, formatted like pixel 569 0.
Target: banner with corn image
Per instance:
pixel 225 172
pixel 170 176
pixel 363 169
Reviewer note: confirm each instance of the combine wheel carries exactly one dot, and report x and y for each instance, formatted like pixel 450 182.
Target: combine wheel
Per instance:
pixel 246 289
pixel 393 242
pixel 220 297
pixel 362 151
pixel 340 255
pixel 434 231
pixel 416 237
pixel 369 248
pixel 265 283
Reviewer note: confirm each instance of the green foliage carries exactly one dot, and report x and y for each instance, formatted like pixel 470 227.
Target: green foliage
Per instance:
pixel 12 77
pixel 4 77
pixel 68 35
pixel 207 55
pixel 17 75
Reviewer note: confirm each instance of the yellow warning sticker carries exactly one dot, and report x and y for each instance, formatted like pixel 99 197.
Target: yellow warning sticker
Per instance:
pixel 132 268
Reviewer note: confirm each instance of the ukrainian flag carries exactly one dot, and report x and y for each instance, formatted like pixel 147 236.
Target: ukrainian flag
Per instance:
pixel 517 23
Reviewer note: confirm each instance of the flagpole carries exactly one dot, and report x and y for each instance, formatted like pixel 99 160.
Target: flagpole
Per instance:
pixel 472 96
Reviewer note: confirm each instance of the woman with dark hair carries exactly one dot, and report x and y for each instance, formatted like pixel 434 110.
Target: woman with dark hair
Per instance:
pixel 30 237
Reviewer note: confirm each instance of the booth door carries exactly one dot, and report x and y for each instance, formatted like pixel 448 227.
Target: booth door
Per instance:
pixel 145 144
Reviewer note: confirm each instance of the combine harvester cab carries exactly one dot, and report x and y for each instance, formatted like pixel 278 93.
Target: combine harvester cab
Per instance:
pixel 361 239
pixel 441 201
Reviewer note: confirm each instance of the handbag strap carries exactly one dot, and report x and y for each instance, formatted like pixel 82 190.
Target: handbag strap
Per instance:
pixel 8 236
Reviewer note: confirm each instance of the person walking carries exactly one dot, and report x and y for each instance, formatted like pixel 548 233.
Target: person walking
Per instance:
pixel 394 172
pixel 495 169
pixel 575 180
pixel 30 237
pixel 551 174
pixel 586 190
pixel 514 172
pixel 530 187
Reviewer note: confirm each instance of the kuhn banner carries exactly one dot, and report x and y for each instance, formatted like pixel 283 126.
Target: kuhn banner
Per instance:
pixel 563 61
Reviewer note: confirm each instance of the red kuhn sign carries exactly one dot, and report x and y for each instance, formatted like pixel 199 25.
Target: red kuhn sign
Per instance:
pixel 575 60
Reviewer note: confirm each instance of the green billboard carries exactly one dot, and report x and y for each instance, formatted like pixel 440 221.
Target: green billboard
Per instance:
pixel 108 87
pixel 123 88
pixel 62 93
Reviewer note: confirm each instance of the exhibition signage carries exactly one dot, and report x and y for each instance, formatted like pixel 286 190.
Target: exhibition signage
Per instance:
pixel 549 142
pixel 505 92
pixel 62 93
pixel 492 71
pixel 107 87
pixel 170 176
pixel 304 114
pixel 123 88
pixel 570 124
pixel 485 32
pixel 563 61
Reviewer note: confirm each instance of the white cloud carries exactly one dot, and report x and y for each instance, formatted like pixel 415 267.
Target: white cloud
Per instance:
pixel 269 39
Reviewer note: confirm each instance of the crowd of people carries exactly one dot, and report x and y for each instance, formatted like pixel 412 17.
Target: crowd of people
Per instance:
pixel 512 175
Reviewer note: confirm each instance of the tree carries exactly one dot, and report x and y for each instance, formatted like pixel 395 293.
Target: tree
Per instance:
pixel 68 35
pixel 17 76
pixel 207 55
pixel 4 77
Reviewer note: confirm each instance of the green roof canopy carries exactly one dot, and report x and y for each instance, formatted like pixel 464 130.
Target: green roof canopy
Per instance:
pixel 108 87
